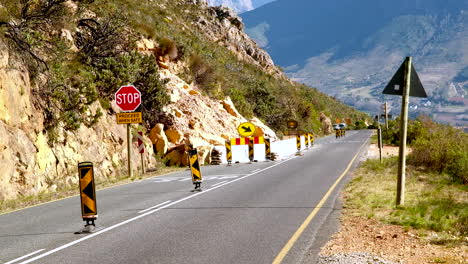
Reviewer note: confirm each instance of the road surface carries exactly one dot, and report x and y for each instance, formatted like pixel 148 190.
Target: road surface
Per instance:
pixel 247 213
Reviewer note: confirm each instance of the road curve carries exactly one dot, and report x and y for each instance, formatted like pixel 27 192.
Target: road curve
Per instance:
pixel 247 213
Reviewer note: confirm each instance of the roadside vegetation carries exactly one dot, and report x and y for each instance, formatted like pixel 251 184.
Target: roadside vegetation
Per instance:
pixel 436 186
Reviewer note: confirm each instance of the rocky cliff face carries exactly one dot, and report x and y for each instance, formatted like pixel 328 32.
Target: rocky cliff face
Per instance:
pixel 31 165
pixel 224 27
pixel 28 163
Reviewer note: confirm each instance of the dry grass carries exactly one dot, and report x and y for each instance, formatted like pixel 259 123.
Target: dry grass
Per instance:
pixel 432 204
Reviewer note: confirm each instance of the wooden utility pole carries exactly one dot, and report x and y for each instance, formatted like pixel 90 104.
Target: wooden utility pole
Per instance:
pixel 142 163
pixel 380 143
pixel 403 133
pixel 406 77
pixel 129 151
pixel 386 116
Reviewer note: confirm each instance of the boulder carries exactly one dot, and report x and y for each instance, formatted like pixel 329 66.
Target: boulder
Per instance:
pixel 229 107
pixel 159 139
pixel 327 126
pixel 174 136
pixel 176 156
pixel 204 154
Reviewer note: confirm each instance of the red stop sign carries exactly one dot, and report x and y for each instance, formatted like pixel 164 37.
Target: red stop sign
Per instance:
pixel 128 98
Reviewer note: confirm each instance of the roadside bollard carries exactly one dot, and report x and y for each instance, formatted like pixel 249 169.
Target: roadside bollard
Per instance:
pixel 195 169
pixel 267 149
pixel 228 152
pixel 312 139
pixel 298 145
pixel 251 149
pixel 87 195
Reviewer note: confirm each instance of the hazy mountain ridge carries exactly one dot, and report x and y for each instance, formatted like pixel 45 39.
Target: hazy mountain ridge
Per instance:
pixel 352 55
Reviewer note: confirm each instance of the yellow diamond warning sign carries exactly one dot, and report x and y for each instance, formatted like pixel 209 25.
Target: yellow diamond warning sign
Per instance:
pixel 87 190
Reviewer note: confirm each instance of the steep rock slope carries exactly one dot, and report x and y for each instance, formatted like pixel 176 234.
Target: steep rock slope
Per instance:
pixel 32 164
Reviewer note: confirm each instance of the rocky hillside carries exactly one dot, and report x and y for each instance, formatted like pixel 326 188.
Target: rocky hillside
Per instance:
pixel 200 77
pixel 350 49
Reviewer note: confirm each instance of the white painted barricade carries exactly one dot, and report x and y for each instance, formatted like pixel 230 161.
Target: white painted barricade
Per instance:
pixel 240 153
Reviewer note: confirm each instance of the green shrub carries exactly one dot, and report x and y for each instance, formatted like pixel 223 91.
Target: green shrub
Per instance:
pixel 441 148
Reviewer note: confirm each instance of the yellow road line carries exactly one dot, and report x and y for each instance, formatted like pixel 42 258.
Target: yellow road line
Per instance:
pixel 282 254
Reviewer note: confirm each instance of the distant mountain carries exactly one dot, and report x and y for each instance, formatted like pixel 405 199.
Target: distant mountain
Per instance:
pixel 351 48
pixel 239 5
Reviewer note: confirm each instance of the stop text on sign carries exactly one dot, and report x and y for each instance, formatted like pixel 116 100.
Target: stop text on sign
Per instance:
pixel 128 98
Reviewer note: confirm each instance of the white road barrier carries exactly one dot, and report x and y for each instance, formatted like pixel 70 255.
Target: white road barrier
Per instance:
pixel 240 153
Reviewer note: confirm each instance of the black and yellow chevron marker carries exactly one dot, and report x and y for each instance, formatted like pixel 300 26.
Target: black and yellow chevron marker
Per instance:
pixel 337 133
pixel 267 148
pixel 307 140
pixel 298 142
pixel 195 166
pixel 251 149
pixel 87 190
pixel 228 151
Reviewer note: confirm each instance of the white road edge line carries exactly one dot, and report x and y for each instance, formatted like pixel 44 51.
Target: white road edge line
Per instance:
pixel 142 211
pixel 145 214
pixel 25 256
pixel 218 183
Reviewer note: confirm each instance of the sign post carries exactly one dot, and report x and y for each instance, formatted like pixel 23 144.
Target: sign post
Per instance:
pixel 128 99
pixel 386 115
pixel 141 150
pixel 407 78
pixel 379 138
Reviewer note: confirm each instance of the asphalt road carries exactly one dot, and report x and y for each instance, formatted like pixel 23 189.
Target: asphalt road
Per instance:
pixel 247 213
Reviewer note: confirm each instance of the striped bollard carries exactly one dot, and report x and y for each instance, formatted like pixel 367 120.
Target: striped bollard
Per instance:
pixel 88 195
pixel 195 169
pixel 298 145
pixel 228 152
pixel 307 140
pixel 267 149
pixel 251 149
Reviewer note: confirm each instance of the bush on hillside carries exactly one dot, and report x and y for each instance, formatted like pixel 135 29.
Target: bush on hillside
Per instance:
pixel 391 136
pixel 441 148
